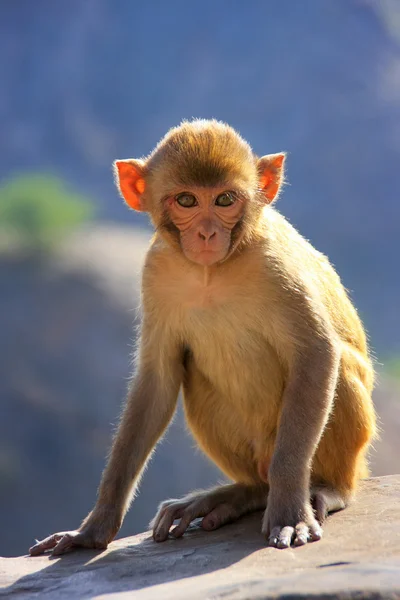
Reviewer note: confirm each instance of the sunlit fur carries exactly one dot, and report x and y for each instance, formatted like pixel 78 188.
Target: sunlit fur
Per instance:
pixel 269 350
pixel 271 322
pixel 241 346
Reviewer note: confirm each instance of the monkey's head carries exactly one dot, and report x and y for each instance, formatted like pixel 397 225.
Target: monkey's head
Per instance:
pixel 203 187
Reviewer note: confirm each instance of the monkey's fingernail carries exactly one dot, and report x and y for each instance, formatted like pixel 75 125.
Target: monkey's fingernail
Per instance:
pixel 300 540
pixel 315 536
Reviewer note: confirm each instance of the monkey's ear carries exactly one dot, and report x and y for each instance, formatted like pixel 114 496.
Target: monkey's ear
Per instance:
pixel 129 178
pixel 271 174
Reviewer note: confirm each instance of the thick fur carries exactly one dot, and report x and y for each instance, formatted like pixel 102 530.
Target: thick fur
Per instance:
pixel 244 331
pixel 268 348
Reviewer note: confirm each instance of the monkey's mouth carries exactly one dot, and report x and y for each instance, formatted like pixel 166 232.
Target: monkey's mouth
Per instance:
pixel 207 256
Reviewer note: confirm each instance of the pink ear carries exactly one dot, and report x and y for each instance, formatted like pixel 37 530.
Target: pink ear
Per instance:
pixel 271 171
pixel 129 175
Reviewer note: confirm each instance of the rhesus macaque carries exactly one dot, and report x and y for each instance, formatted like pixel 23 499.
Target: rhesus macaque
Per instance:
pixel 255 326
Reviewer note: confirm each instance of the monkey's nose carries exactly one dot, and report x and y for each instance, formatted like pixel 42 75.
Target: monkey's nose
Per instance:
pixel 206 235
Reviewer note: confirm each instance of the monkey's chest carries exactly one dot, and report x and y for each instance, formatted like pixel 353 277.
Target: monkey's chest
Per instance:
pixel 232 391
pixel 226 346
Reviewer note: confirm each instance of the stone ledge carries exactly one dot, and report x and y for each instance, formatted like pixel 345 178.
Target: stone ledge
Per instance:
pixel 359 557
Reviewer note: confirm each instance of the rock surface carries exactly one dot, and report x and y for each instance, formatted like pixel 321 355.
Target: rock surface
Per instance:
pixel 359 557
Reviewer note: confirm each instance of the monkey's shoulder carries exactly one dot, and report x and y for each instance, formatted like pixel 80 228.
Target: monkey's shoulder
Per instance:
pixel 289 254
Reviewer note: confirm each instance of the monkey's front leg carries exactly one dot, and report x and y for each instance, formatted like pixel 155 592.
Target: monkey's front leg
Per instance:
pixel 149 408
pixel 218 506
pixel 307 402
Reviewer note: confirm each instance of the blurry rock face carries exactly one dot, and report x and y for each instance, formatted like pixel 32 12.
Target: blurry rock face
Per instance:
pixel 331 99
pixel 359 557
pixel 67 330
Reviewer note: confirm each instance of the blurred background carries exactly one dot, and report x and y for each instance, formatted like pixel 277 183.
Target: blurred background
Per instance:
pixel 87 81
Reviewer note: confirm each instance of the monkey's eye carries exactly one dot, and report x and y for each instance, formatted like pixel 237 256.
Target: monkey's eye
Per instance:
pixel 225 199
pixel 186 200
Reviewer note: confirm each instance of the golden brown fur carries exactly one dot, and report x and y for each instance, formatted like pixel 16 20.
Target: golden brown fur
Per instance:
pixel 269 350
pixel 225 323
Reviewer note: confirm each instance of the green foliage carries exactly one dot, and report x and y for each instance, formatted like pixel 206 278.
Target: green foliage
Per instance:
pixel 392 366
pixel 38 209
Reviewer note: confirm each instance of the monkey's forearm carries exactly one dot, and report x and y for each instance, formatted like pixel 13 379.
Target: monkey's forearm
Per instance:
pixel 307 403
pixel 147 413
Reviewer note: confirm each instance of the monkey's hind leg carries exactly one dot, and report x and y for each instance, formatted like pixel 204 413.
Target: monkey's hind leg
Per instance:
pixel 217 507
pixel 327 500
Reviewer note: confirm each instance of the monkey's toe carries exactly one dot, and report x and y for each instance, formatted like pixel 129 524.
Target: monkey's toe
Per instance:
pixel 188 511
pixel 165 518
pixel 325 500
pixel 221 515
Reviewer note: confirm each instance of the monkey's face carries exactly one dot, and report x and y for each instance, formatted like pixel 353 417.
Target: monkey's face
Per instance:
pixel 207 222
pixel 203 188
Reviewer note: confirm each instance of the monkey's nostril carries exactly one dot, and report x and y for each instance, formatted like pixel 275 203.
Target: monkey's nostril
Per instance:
pixel 206 237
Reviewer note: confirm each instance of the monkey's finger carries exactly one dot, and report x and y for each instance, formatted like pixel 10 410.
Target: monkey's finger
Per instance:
pixel 201 508
pixel 302 535
pixel 315 532
pixel 160 533
pixel 273 537
pixel 285 537
pixel 46 544
pixel 66 544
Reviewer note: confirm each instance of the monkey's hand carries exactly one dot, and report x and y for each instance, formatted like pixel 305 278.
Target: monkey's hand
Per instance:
pixel 97 531
pixel 289 519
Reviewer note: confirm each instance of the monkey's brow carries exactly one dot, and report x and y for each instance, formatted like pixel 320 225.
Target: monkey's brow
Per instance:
pixel 238 193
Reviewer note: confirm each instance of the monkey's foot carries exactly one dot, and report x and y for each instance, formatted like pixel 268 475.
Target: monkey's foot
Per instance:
pixel 217 507
pixel 326 500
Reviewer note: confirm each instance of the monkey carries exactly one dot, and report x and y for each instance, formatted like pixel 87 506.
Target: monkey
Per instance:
pixel 254 325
